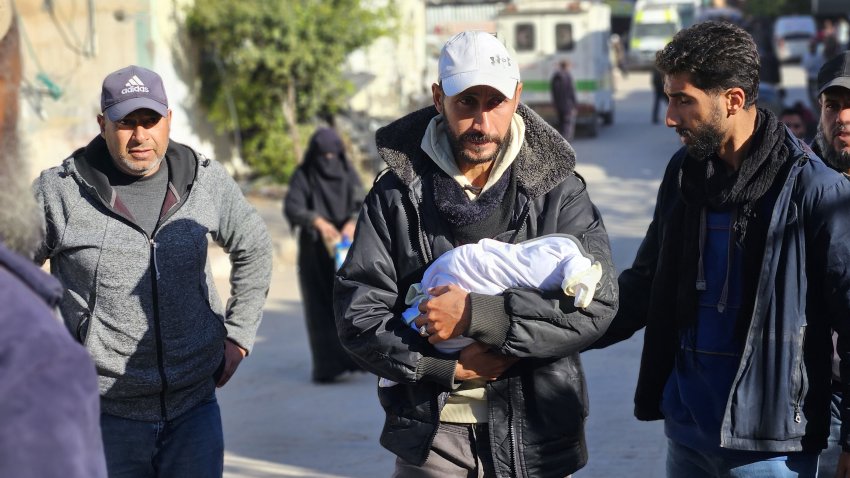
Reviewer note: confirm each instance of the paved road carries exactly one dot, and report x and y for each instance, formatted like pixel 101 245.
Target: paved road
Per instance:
pixel 278 424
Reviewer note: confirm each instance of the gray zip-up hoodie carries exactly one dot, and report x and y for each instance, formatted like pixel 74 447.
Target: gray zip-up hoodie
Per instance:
pixel 146 308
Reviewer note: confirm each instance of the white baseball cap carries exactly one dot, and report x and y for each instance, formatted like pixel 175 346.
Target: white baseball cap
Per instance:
pixel 474 58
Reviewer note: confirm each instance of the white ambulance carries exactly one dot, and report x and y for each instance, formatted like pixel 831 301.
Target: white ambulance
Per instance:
pixel 653 26
pixel 542 33
pixel 654 23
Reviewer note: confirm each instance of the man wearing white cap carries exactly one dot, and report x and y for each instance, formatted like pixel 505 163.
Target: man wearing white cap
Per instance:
pixel 126 224
pixel 478 164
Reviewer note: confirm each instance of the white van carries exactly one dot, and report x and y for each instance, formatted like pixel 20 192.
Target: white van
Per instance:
pixel 654 23
pixel 653 26
pixel 541 33
pixel 792 35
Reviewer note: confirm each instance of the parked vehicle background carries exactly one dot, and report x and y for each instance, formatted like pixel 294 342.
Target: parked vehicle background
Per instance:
pixel 792 35
pixel 544 32
pixel 725 14
pixel 653 25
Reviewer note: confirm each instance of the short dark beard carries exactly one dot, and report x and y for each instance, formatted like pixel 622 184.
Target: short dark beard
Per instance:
pixel 705 139
pixel 837 160
pixel 460 154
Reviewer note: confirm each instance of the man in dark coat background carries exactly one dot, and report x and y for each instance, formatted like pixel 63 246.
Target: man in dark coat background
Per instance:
pixel 564 99
pixel 658 95
pixel 832 144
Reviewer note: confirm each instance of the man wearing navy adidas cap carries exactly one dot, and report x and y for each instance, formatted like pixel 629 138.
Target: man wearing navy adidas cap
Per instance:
pixel 477 164
pixel 126 224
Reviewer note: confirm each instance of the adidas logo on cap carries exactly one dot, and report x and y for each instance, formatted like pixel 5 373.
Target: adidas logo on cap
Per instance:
pixel 132 88
pixel 135 85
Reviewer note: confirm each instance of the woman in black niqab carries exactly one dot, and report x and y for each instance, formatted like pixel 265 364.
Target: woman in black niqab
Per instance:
pixel 323 201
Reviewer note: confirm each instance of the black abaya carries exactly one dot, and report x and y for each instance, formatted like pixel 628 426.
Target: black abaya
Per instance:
pixel 325 185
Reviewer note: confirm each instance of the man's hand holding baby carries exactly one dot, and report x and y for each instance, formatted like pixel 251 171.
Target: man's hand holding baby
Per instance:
pixel 446 314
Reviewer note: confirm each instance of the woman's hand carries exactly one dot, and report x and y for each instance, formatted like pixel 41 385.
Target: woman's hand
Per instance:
pixel 348 229
pixel 326 230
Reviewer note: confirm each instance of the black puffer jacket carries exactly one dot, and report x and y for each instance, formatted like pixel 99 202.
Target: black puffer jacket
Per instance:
pixel 537 409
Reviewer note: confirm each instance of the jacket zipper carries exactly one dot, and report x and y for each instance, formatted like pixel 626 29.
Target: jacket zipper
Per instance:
pixel 801 368
pixel 526 210
pixel 154 247
pixel 512 434
pixel 419 231
pixel 725 427
pixel 160 361
pixel 154 281
pixel 154 295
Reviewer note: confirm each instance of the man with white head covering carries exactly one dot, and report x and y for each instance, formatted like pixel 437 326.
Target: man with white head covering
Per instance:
pixel 478 164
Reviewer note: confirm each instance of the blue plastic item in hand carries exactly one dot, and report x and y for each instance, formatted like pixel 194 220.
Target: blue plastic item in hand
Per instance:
pixel 341 250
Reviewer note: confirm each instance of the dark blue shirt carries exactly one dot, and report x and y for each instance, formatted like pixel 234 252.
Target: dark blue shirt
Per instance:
pixel 696 392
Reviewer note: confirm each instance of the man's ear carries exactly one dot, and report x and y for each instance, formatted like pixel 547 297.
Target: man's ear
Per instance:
pixel 102 123
pixel 437 95
pixel 735 100
pixel 517 94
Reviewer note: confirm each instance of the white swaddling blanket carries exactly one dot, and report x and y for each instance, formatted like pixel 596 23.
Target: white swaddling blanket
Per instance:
pixel 489 267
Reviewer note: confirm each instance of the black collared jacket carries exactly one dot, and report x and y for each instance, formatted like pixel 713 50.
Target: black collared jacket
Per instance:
pixel 538 408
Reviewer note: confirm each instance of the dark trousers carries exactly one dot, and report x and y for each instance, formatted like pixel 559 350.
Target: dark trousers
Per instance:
pixel 828 461
pixel 567 123
pixel 187 446
pixel 686 462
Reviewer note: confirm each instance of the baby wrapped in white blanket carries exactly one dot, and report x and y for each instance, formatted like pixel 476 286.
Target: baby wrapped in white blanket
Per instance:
pixel 550 262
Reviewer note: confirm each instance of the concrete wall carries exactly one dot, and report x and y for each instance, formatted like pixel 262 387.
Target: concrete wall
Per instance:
pixel 60 46
pixel 390 75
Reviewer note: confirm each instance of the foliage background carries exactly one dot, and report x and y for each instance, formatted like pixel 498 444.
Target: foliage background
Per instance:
pixel 270 69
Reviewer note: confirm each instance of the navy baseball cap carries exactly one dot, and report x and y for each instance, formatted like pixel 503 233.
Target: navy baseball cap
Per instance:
pixel 132 88
pixel 835 72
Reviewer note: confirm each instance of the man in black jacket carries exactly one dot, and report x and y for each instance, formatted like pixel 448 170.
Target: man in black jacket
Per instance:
pixel 832 143
pixel 476 165
pixel 742 274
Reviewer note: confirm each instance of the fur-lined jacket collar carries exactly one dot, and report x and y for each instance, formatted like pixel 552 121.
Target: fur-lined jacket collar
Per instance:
pixel 543 162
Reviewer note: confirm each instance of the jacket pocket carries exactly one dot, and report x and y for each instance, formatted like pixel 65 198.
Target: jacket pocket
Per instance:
pixel 212 300
pixel 791 216
pixel 82 331
pixel 77 315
